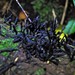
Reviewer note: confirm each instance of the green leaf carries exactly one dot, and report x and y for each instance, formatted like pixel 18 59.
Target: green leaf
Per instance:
pixel 7 43
pixel 74 2
pixel 70 27
pixel 39 72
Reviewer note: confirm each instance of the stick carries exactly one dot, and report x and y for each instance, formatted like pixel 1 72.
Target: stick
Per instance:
pixel 23 10
pixel 54 15
pixel 64 12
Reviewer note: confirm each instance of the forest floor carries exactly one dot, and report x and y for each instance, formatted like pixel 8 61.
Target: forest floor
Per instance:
pixel 64 68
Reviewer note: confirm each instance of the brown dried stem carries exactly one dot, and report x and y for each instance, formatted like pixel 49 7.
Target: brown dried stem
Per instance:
pixel 64 12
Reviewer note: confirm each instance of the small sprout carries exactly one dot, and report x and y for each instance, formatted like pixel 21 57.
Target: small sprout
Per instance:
pixel 48 62
pixel 16 59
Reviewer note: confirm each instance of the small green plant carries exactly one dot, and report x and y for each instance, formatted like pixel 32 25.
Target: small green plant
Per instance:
pixel 40 71
pixel 6 44
pixel 70 27
pixel 74 2
pixel 44 8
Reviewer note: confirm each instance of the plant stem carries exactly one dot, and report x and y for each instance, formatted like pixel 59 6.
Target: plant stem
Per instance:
pixel 64 12
pixel 23 10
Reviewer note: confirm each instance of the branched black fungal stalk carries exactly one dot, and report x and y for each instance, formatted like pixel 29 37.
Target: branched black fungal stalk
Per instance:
pixel 44 44
pixel 39 42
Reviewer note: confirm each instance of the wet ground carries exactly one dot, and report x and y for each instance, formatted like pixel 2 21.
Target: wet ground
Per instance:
pixel 24 68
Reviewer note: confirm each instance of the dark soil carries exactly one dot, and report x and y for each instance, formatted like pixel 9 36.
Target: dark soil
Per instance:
pixel 24 68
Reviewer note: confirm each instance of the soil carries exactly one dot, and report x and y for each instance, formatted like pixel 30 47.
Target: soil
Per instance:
pixel 28 68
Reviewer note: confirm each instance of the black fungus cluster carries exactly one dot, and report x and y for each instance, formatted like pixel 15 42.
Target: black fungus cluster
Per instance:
pixel 40 42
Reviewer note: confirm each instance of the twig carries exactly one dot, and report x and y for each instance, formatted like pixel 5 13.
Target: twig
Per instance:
pixel 54 15
pixel 64 12
pixel 23 10
pixel 6 7
pixel 53 12
pixel 9 5
pixel 8 50
pixel 13 13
